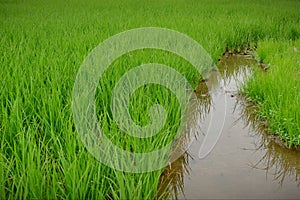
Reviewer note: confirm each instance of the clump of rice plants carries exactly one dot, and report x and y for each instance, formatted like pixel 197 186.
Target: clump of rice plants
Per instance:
pixel 276 92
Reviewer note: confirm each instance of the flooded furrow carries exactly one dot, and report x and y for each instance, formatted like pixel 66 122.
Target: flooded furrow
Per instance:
pixel 245 162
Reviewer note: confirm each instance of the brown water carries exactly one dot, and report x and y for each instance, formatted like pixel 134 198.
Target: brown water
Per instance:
pixel 245 162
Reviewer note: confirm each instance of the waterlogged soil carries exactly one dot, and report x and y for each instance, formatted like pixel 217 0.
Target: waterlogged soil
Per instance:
pixel 245 162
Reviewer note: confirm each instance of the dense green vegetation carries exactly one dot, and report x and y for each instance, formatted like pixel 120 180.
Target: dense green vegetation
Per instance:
pixel 43 43
pixel 276 91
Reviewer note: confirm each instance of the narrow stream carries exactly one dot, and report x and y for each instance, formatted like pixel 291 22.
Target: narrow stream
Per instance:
pixel 246 162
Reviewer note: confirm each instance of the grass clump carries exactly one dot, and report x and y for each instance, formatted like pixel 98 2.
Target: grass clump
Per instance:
pixel 276 92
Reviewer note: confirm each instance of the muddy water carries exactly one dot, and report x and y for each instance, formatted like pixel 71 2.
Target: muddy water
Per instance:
pixel 245 162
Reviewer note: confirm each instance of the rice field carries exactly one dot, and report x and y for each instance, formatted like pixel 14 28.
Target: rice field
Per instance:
pixel 44 43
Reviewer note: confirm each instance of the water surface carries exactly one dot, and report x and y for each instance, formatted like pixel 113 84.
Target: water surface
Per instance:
pixel 246 162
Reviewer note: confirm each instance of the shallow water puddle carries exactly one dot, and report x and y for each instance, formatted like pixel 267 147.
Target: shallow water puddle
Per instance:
pixel 245 163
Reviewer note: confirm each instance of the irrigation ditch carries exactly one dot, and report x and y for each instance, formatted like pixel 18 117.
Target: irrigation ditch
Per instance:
pixel 247 161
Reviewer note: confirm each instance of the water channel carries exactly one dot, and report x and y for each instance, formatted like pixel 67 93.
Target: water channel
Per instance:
pixel 246 162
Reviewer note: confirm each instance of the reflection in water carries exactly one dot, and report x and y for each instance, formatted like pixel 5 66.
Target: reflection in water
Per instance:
pixel 242 162
pixel 286 162
pixel 204 99
pixel 172 179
